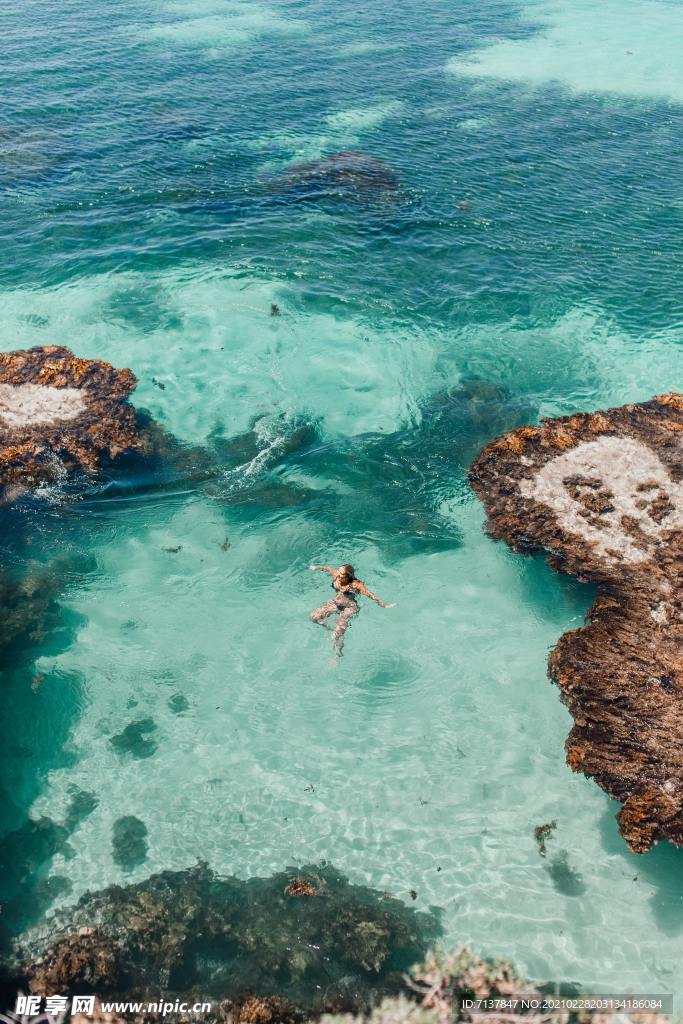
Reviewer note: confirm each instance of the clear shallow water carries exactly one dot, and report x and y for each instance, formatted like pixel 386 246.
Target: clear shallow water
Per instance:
pixel 144 149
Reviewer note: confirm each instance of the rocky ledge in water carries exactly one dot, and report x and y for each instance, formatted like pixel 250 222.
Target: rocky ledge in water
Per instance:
pixel 60 414
pixel 336 945
pixel 603 494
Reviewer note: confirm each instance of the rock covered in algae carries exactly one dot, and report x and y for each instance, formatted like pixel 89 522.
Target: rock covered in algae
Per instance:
pixel 449 989
pixel 603 494
pixel 61 414
pixel 86 959
pixel 186 931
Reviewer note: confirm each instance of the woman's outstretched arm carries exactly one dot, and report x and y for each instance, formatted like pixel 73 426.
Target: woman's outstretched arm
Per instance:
pixel 324 568
pixel 362 589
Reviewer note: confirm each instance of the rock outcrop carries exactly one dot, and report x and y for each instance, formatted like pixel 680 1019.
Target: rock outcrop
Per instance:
pixel 602 493
pixel 60 414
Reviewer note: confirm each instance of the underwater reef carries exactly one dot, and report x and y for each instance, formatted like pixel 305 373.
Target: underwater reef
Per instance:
pixel 451 987
pixel 26 851
pixel 443 988
pixel 602 493
pixel 309 935
pixel 29 609
pixel 347 174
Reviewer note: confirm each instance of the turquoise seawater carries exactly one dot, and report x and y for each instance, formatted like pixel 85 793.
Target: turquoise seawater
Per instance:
pixel 529 263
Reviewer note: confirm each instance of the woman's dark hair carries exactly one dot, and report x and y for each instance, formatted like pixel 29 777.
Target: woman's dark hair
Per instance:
pixel 348 571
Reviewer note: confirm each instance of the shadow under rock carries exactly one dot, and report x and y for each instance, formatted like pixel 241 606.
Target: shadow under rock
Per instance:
pixel 661 868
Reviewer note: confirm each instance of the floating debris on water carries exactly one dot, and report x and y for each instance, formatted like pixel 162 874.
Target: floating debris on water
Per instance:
pixel 542 833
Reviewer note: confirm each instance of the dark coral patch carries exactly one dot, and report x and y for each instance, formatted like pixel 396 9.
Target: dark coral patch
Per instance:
pixel 129 842
pixel 135 739
pixel 178 703
pixel 81 805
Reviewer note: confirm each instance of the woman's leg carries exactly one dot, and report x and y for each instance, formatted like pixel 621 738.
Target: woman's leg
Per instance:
pixel 322 614
pixel 342 625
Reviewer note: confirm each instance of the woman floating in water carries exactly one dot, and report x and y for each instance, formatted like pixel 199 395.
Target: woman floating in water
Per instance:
pixel 346 586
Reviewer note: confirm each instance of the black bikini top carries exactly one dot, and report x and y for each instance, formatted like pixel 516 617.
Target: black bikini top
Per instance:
pixel 347 589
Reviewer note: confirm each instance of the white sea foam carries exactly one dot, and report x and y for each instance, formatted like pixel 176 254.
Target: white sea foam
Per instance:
pixel 631 49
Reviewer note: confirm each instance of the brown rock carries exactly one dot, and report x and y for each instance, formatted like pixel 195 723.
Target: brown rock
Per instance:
pixel 603 494
pixel 87 957
pixel 265 1010
pixel 300 887
pixel 60 414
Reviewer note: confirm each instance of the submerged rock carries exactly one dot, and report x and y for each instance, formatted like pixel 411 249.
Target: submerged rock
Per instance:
pixel 603 493
pixel 135 739
pixel 566 879
pixel 129 842
pixel 82 960
pixel 265 1010
pixel 28 155
pixel 178 703
pixel 443 988
pixel 347 172
pixel 29 609
pixel 61 414
pixel 183 931
pixel 81 806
